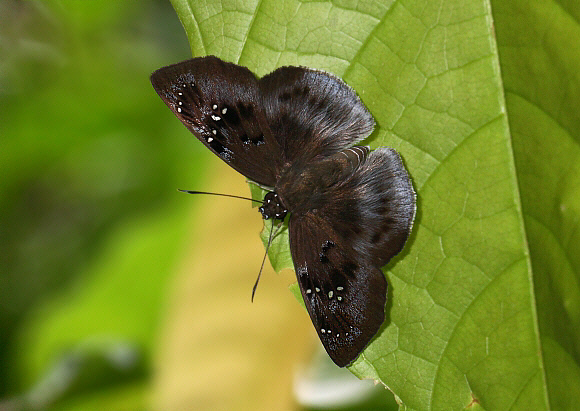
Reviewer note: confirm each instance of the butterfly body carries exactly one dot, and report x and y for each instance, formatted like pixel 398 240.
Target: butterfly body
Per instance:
pixel 295 130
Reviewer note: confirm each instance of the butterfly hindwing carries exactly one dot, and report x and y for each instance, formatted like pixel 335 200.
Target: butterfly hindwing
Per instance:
pixel 312 113
pixel 367 196
pixel 219 103
pixel 373 209
pixel 345 296
pixel 359 218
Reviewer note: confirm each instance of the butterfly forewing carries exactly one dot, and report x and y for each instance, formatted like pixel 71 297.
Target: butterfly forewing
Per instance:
pixel 344 295
pixel 313 113
pixel 219 103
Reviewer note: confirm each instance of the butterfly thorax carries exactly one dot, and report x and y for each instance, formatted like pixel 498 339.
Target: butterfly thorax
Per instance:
pixel 305 187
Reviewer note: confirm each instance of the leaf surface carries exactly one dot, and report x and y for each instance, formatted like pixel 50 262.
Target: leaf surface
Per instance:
pixel 483 304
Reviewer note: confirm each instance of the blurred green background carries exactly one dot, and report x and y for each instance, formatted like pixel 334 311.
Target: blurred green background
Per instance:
pixel 88 169
pixel 95 242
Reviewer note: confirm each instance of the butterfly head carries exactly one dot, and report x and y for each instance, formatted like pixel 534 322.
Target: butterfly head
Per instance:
pixel 272 207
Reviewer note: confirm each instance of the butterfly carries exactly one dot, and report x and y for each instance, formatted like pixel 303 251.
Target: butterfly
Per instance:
pixel 349 209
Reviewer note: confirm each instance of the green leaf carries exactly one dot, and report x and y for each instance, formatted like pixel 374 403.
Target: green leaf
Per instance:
pixel 484 304
pixel 540 68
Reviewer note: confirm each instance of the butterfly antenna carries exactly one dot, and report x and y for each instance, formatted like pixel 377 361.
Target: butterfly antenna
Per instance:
pixel 263 260
pixel 218 194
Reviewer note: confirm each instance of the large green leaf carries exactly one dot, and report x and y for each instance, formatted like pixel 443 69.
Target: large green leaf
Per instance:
pixel 540 60
pixel 484 300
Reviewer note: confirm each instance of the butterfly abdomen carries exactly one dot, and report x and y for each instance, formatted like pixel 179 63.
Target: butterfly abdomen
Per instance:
pixel 305 187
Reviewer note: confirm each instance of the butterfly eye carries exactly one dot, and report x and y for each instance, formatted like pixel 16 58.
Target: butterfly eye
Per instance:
pixel 272 207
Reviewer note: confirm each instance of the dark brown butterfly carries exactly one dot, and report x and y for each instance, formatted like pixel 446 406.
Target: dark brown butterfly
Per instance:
pixel 351 210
